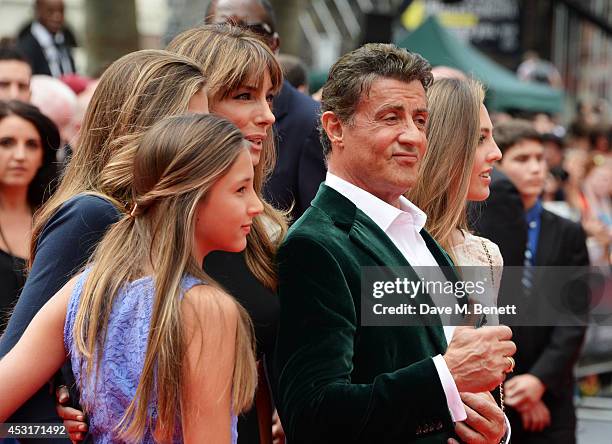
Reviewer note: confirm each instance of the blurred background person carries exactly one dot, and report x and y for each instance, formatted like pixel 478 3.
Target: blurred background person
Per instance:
pixel 28 143
pixel 597 220
pixel 553 149
pixel 58 102
pixel 294 72
pixel 553 198
pixel 600 138
pixel 15 73
pixel 575 161
pixel 578 135
pixel 543 123
pixel 47 42
pixel 535 69
pixel 598 190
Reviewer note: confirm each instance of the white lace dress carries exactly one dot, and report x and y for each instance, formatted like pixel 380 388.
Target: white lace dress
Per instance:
pixel 479 259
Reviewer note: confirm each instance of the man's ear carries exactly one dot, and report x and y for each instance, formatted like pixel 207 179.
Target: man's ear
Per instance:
pixel 275 43
pixel 333 127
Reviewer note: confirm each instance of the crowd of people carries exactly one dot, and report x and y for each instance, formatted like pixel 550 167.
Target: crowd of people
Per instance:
pixel 182 242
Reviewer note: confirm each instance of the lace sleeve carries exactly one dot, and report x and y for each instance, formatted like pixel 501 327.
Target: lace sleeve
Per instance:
pixel 481 261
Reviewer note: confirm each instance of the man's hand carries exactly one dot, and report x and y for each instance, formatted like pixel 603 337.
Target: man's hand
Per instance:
pixel 477 358
pixel 74 420
pixel 485 423
pixel 522 391
pixel 536 417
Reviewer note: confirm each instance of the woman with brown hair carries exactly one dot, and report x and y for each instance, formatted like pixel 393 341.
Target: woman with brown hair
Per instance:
pixel 159 353
pixel 457 169
pixel 242 78
pixel 134 92
pixel 28 144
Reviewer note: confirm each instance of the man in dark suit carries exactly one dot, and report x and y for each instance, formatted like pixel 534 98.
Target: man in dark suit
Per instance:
pixel 340 381
pixel 540 393
pixel 300 166
pixel 47 42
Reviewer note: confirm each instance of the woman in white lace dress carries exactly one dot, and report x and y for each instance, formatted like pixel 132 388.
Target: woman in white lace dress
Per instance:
pixel 456 169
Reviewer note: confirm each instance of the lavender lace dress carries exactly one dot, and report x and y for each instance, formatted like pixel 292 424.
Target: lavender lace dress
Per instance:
pixel 122 359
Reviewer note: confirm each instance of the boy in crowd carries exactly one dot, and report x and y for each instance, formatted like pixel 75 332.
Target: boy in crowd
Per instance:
pixel 539 395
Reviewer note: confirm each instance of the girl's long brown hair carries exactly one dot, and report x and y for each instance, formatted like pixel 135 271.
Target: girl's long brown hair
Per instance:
pixel 133 93
pixel 452 138
pixel 174 167
pixel 231 57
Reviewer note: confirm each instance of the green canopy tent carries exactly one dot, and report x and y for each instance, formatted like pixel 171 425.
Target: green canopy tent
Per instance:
pixel 504 89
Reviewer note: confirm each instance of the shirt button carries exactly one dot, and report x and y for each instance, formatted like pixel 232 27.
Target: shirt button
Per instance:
pixel 533 224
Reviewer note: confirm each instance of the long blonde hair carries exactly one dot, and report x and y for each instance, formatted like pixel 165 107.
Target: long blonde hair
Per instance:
pixel 133 93
pixel 453 132
pixel 230 57
pixel 174 167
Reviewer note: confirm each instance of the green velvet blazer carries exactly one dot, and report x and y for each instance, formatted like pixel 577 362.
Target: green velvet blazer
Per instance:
pixel 335 380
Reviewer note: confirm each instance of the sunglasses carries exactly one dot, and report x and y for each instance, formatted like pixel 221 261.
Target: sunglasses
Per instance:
pixel 261 29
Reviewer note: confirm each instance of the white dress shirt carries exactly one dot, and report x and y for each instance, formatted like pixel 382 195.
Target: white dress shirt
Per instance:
pixel 403 226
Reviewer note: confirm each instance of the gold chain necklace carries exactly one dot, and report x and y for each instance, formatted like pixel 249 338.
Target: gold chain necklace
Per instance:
pixel 501 386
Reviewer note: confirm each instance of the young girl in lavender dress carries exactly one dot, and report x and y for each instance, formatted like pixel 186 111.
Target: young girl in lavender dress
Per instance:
pixel 159 352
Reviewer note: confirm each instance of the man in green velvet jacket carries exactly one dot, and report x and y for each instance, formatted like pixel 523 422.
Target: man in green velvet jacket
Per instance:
pixel 338 381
